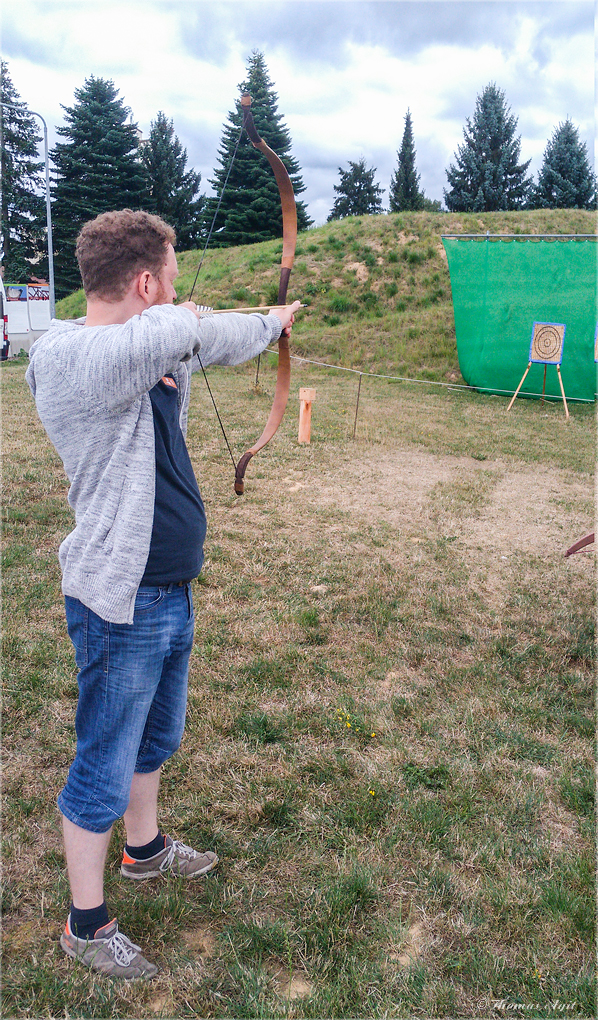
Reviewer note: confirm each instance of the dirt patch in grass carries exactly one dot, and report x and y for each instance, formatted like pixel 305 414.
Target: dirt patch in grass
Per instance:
pixel 289 985
pixel 160 1002
pixel 413 947
pixel 404 682
pixel 495 511
pixel 519 511
pixel 201 942
pixel 562 827
pixel 359 269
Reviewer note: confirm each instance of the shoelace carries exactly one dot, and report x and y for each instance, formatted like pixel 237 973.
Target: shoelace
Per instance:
pixel 177 848
pixel 123 949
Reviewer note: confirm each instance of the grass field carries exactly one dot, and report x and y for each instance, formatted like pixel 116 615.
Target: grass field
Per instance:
pixel 390 727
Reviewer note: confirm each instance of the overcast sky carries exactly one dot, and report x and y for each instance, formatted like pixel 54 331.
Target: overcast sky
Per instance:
pixel 345 72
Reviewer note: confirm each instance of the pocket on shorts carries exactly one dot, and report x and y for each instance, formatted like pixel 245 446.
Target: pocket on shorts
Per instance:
pixel 145 600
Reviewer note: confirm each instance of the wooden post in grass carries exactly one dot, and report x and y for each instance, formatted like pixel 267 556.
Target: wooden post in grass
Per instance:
pixel 306 396
pixel 357 405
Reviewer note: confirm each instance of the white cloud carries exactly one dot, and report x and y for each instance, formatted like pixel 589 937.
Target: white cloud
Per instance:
pixel 340 101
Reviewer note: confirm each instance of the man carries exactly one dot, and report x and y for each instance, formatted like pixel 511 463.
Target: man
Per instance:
pixel 113 394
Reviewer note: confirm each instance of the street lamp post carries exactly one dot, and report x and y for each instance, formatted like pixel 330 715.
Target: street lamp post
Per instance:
pixel 48 209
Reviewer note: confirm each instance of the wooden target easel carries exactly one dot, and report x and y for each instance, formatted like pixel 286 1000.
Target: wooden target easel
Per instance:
pixel 546 349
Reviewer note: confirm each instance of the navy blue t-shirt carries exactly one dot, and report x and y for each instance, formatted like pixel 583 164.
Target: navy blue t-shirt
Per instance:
pixel 179 528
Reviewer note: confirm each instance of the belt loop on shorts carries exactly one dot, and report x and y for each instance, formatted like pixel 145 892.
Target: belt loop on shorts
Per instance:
pixel 171 585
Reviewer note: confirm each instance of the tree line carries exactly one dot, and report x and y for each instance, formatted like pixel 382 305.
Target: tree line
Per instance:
pixel 103 163
pixel 486 175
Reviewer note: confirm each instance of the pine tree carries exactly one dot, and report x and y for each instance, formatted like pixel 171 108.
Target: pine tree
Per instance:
pixel 250 209
pixel 172 190
pixel 565 180
pixel 357 194
pixel 97 169
pixel 23 214
pixel 404 191
pixel 431 204
pixel 487 175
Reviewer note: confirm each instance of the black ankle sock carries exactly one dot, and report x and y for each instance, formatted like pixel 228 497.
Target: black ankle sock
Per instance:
pixel 85 923
pixel 143 853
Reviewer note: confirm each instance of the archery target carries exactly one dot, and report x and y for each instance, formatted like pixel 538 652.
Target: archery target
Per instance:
pixel 596 345
pixel 547 343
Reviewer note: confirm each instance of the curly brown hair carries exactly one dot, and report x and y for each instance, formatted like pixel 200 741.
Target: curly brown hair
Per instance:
pixel 116 246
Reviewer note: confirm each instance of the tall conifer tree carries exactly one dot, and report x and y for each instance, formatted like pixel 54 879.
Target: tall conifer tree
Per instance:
pixel 172 190
pixel 23 208
pixel 404 184
pixel 487 174
pixel 97 169
pixel 357 194
pixel 250 209
pixel 565 180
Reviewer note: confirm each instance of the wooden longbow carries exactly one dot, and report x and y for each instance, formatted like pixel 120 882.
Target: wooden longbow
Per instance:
pixel 289 243
pixel 580 544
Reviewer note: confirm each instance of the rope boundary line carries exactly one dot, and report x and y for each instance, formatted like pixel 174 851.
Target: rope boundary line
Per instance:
pixel 425 382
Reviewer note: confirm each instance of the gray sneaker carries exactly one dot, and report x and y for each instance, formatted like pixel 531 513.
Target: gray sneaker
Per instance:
pixel 110 952
pixel 175 858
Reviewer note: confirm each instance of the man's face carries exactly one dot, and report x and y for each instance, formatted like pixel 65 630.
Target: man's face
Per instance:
pixel 166 293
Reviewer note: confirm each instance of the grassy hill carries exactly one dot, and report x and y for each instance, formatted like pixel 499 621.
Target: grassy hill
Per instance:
pixel 377 287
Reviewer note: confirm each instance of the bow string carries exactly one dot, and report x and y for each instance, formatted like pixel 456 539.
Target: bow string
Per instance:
pixel 289 243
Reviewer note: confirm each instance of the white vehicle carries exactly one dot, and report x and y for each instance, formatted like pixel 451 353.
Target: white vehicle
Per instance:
pixel 27 308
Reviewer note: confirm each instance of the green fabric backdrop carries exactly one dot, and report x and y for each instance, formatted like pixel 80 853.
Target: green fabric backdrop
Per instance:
pixel 501 287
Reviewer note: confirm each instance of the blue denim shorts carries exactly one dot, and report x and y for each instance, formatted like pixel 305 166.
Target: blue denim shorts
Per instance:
pixel 132 700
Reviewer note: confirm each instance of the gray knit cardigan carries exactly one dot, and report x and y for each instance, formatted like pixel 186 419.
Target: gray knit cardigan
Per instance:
pixel 91 387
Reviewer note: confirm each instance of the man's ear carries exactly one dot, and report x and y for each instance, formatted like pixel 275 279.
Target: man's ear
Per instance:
pixel 144 286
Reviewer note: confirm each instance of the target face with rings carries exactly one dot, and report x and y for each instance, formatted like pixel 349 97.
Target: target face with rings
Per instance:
pixel 547 343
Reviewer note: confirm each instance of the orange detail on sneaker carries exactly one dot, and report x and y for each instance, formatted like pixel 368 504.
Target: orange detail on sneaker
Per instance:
pixel 176 858
pixel 109 952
